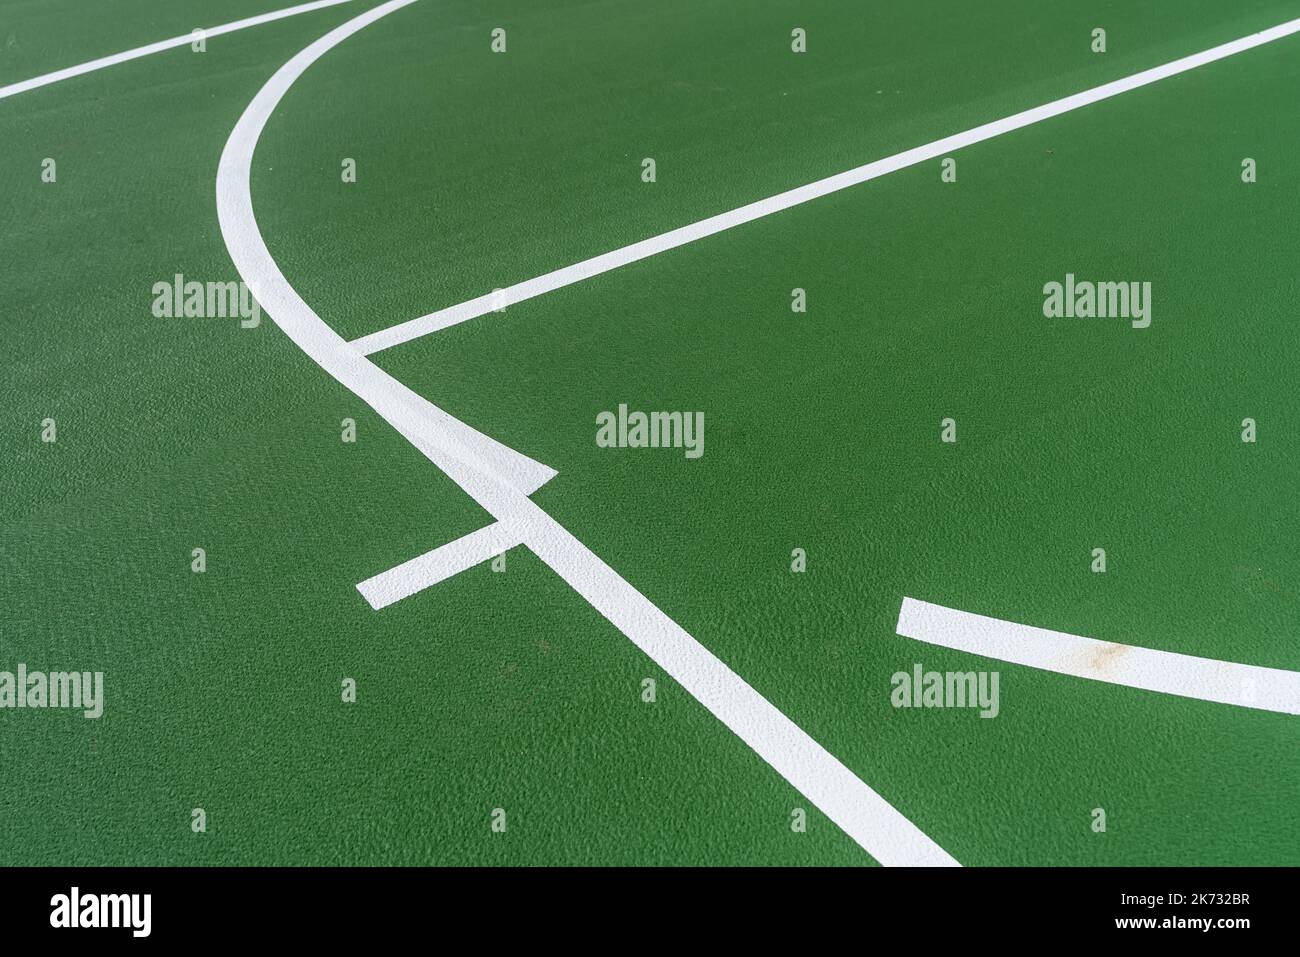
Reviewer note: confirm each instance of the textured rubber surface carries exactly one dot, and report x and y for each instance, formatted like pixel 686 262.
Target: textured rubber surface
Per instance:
pixel 506 690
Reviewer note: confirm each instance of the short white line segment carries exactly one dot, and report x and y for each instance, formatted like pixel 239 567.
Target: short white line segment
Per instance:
pixel 437 565
pixel 105 61
pixel 863 814
pixel 471 309
pixel 1226 682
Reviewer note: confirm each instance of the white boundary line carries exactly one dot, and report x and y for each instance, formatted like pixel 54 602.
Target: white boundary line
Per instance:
pixel 414 328
pixel 862 813
pixel 424 571
pixel 1227 682
pixel 91 65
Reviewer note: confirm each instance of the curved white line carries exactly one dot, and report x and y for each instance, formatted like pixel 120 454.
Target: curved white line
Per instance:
pixel 862 813
pixel 431 430
pixel 113 59
pixel 1189 676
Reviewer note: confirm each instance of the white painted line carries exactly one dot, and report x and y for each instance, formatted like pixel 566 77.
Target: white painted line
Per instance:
pixel 437 565
pixel 471 309
pixel 1250 686
pixel 421 422
pixel 105 61
pixel 862 813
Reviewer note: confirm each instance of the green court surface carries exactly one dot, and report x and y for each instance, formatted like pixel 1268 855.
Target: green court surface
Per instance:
pixel 507 691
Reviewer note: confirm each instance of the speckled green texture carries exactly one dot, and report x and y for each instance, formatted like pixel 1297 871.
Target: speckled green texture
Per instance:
pixel 508 690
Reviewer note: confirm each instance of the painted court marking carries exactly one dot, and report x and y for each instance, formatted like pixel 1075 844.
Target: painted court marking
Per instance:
pixel 91 65
pixel 1227 682
pixel 863 814
pixel 437 565
pixel 470 309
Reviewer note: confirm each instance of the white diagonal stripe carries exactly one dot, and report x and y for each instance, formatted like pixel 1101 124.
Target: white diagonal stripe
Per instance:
pixel 113 59
pixel 473 308
pixel 1227 682
pixel 437 565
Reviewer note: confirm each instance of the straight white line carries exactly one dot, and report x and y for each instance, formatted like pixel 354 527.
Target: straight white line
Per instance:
pixel 91 65
pixel 414 328
pixel 1227 682
pixel 424 571
pixel 862 813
